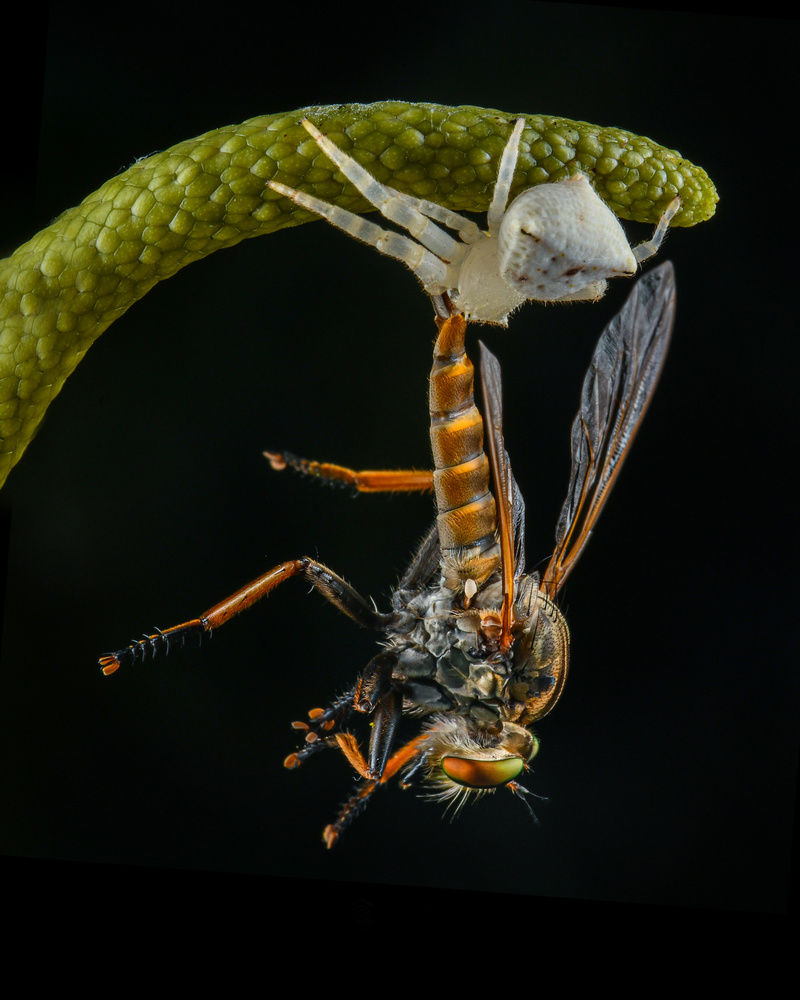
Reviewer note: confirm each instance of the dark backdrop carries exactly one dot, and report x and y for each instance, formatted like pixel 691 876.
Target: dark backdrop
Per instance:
pixel 670 764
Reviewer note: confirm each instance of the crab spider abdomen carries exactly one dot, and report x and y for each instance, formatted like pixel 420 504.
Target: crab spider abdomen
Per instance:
pixel 560 241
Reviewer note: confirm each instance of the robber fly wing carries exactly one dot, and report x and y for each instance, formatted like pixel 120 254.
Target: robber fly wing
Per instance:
pixel 518 527
pixel 616 393
pixel 506 490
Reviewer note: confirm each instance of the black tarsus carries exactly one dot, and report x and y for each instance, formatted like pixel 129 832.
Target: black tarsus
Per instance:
pixel 162 641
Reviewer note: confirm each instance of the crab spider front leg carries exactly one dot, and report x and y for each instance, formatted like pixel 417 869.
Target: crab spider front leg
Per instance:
pixel 468 231
pixel 505 177
pixel 429 269
pixel 430 258
pixel 400 209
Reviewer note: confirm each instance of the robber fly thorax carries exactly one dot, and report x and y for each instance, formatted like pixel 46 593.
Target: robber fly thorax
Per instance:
pixel 473 646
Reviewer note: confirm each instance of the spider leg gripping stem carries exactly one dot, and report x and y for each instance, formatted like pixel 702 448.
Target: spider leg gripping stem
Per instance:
pixel 65 286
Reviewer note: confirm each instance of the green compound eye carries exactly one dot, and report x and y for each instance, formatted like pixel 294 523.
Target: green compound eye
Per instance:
pixel 482 773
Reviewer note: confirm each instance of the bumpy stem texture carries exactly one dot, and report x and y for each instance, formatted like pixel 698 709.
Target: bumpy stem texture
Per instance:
pixel 64 287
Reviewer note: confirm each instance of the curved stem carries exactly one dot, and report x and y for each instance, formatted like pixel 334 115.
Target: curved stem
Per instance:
pixel 63 288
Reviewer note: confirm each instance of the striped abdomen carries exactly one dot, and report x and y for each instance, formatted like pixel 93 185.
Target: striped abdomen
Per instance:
pixel 467 516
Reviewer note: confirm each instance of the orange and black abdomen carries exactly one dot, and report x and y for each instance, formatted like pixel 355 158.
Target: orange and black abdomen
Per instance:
pixel 467 516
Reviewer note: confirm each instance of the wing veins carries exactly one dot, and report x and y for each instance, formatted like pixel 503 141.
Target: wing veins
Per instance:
pixel 505 491
pixel 617 390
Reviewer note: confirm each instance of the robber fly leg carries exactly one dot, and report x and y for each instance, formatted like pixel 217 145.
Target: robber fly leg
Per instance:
pixel 364 481
pixel 348 812
pixel 364 792
pixel 320 722
pixel 331 586
pixel 377 692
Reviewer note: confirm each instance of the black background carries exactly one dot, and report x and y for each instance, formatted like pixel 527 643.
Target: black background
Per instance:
pixel 670 764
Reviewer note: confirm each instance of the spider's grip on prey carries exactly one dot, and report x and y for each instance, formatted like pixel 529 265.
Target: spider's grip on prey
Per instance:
pixel 555 242
pixel 65 286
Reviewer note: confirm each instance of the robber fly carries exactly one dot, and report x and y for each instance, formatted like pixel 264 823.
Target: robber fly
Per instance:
pixel 473 645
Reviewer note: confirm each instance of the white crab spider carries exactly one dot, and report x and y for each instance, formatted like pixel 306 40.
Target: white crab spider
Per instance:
pixel 557 242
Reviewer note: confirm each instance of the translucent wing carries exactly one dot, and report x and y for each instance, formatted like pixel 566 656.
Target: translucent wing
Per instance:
pixel 616 393
pixel 510 510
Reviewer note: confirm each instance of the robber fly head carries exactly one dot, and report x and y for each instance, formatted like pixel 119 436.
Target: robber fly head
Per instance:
pixel 462 758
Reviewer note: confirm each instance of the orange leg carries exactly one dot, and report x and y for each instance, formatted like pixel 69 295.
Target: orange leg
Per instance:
pixel 374 694
pixel 358 800
pixel 331 586
pixel 365 481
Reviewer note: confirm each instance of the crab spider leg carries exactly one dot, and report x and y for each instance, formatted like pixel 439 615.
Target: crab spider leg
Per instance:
pixel 430 270
pixel 403 211
pixel 505 177
pixel 650 247
pixel 407 214
pixel 468 230
pixel 486 275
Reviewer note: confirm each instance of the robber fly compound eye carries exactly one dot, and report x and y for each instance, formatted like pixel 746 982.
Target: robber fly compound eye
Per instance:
pixel 482 773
